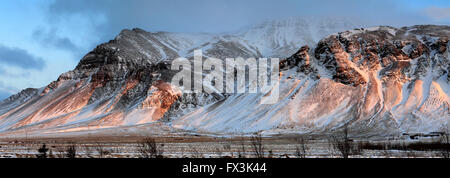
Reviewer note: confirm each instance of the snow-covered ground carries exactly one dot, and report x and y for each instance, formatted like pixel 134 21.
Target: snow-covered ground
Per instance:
pixel 206 148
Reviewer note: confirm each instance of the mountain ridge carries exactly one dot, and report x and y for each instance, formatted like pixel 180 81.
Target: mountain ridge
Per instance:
pixel 125 82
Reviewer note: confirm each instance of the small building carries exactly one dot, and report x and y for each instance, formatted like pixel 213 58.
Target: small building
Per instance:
pixel 416 136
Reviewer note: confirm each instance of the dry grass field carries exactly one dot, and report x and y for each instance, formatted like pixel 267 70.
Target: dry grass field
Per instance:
pixel 196 146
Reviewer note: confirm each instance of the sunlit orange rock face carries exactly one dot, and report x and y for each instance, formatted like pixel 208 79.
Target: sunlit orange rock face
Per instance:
pixel 66 100
pixel 65 104
pixel 113 119
pixel 161 96
pixel 336 56
pixel 130 84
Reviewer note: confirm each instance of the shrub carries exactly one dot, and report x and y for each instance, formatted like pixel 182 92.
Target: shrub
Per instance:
pixel 71 151
pixel 258 147
pixel 42 151
pixel 341 143
pixel 302 147
pixel 148 148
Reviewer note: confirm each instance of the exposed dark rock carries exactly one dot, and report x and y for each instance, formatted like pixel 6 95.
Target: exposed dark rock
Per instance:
pixel 350 55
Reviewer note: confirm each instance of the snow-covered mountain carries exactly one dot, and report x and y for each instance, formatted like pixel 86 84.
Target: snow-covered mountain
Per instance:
pixel 378 80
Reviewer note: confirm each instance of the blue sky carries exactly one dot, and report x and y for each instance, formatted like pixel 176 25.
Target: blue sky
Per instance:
pixel 41 39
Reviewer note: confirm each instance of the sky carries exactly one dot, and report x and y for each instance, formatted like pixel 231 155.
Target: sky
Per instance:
pixel 41 39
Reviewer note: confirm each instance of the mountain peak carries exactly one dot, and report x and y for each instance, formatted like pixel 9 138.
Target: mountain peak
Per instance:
pixel 388 79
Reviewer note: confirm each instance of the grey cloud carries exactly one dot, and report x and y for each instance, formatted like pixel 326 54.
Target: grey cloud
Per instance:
pixel 225 15
pixel 49 38
pixel 439 13
pixel 5 73
pixel 20 58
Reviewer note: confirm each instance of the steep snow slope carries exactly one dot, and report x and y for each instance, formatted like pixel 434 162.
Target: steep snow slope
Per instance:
pixel 281 38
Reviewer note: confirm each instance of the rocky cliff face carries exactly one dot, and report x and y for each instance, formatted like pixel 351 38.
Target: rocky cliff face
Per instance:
pixel 380 79
pixel 404 72
pixel 351 55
